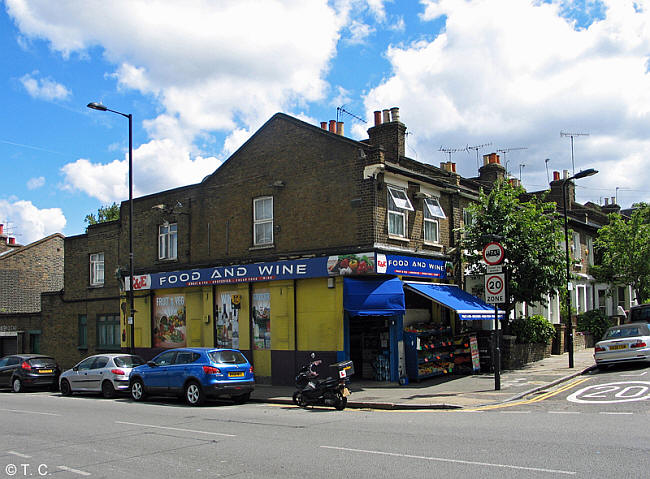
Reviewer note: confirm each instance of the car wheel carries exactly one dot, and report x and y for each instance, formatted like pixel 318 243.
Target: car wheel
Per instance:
pixel 602 367
pixel 17 385
pixel 66 390
pixel 108 391
pixel 137 390
pixel 242 398
pixel 194 394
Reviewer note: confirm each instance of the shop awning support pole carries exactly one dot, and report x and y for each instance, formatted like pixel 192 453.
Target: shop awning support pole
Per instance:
pixel 496 362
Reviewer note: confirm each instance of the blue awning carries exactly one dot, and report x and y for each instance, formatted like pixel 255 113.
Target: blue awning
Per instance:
pixel 373 297
pixel 468 306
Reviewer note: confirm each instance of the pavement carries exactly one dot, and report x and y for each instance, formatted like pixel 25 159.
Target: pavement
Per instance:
pixel 452 391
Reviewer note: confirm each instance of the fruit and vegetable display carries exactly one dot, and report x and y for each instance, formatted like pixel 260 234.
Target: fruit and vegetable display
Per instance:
pixel 350 264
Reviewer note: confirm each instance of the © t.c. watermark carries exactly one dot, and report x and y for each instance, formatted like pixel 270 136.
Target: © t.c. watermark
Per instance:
pixel 24 470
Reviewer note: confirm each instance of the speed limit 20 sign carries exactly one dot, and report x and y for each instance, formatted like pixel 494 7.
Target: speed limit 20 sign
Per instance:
pixel 495 288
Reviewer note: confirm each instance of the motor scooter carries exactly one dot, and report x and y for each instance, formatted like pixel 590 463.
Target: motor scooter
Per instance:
pixel 332 391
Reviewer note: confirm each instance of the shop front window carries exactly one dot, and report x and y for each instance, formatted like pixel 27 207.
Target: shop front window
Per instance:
pixel 169 325
pixel 262 319
pixel 227 323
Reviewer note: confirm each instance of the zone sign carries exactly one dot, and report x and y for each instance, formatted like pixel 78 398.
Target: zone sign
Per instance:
pixel 493 253
pixel 495 291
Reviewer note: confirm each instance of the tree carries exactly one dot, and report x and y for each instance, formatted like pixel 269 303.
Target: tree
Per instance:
pixel 624 249
pixel 530 232
pixel 104 213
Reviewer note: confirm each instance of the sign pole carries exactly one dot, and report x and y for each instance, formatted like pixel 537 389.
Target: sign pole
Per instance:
pixel 497 351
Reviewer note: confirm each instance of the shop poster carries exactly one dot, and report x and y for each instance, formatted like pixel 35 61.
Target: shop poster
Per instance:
pixel 169 327
pixel 227 324
pixel 262 319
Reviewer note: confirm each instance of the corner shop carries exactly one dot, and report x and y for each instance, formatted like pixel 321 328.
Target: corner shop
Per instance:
pixel 351 306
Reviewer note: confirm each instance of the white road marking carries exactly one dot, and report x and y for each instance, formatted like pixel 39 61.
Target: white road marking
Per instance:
pixel 14 453
pixel 456 461
pixel 626 391
pixel 634 375
pixel 515 412
pixel 563 412
pixel 175 429
pixel 76 471
pixel 617 413
pixel 30 412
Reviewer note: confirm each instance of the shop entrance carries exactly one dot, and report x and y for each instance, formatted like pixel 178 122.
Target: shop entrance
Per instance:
pixel 370 347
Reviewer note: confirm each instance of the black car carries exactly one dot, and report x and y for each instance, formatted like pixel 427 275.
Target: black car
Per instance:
pixel 23 371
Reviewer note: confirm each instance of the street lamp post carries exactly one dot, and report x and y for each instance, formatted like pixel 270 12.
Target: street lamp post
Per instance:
pixel 100 107
pixel 569 323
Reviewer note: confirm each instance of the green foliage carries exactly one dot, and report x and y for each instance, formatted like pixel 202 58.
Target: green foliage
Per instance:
pixel 595 322
pixel 104 214
pixel 535 329
pixel 530 232
pixel 624 247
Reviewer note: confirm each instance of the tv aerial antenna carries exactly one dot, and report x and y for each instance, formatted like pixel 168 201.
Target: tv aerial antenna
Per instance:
pixel 340 110
pixel 450 151
pixel 572 135
pixel 477 147
pixel 508 150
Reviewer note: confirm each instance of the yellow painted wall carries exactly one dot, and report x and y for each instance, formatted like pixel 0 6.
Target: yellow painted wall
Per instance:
pixel 320 315
pixel 282 314
pixel 142 332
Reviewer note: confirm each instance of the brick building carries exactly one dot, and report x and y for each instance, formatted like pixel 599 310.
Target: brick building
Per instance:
pixel 25 273
pixel 267 253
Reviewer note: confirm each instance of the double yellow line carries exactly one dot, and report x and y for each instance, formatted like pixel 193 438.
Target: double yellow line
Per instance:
pixel 539 398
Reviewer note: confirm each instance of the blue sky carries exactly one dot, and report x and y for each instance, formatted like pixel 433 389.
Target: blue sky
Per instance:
pixel 200 76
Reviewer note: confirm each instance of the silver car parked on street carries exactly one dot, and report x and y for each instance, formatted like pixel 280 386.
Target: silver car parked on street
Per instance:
pixel 625 343
pixel 101 373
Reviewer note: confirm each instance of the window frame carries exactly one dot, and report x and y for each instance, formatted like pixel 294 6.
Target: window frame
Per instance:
pixel 263 222
pixel 103 324
pixel 167 241
pixel 96 265
pixel 577 253
pixel 398 214
pixel 82 328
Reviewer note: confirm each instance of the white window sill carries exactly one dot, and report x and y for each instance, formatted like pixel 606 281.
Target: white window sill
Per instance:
pixel 399 238
pixel 433 245
pixel 263 246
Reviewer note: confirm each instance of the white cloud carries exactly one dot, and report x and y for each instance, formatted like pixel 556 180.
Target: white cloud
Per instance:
pixel 359 32
pixel 214 66
pixel 44 88
pixel 516 73
pixel 35 183
pixel 32 223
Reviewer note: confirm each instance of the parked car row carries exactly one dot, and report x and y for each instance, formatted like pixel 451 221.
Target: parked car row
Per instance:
pixel 192 373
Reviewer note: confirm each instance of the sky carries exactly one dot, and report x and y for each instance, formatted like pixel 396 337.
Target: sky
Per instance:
pixel 201 76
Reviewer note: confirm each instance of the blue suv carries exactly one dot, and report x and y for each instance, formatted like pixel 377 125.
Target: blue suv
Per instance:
pixel 194 373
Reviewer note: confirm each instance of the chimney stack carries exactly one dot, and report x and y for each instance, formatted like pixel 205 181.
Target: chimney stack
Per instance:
pixel 448 166
pixel 388 133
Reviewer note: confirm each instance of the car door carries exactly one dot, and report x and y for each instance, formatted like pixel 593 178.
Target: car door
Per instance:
pixel 155 378
pixel 79 378
pixel 96 374
pixel 6 369
pixel 181 370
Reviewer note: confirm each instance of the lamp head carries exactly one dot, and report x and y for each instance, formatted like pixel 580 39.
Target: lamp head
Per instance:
pixel 96 106
pixel 584 173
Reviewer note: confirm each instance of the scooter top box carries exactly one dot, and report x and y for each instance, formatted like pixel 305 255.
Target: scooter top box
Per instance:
pixel 347 366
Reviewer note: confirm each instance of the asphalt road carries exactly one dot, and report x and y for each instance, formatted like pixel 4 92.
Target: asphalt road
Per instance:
pixel 547 435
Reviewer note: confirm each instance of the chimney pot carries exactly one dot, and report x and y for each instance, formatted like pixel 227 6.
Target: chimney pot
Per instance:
pixel 606 201
pixel 556 176
pixel 377 118
pixel 386 114
pixel 1 229
pixel 453 167
pixel 339 128
pixel 12 241
pixel 566 174
pixel 394 113
pixel 613 200
pixel 333 126
pixel 323 125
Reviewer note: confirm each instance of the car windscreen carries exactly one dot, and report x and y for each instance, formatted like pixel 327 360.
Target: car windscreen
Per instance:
pixel 227 357
pixel 629 332
pixel 128 361
pixel 42 362
pixel 640 314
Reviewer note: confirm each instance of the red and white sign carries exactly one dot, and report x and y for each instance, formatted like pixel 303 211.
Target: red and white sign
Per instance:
pixel 495 291
pixel 493 253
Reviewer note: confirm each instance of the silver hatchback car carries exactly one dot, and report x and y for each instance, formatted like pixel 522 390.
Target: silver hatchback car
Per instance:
pixel 102 373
